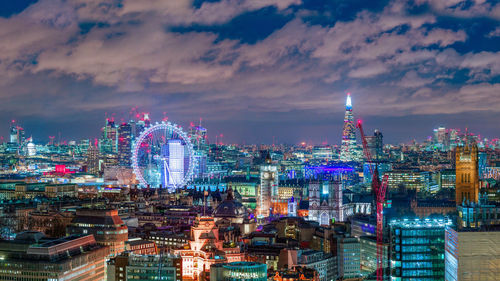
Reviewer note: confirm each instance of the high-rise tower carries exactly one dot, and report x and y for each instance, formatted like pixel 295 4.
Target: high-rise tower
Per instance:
pixel 466 173
pixel 14 136
pixel 348 148
pixel 93 160
pixel 108 143
pixel 124 144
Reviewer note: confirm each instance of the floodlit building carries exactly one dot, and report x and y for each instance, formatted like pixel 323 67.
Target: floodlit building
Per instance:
pixel 205 249
pixel 236 271
pixel 467 178
pixel 325 202
pixel 268 191
pixel 128 266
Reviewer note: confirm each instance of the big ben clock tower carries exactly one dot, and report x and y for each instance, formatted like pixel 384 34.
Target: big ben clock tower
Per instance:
pixel 268 190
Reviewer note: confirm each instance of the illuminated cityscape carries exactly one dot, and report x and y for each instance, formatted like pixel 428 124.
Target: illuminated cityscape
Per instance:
pixel 272 140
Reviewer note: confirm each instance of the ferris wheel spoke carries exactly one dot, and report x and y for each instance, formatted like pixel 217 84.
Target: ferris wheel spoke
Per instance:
pixel 149 160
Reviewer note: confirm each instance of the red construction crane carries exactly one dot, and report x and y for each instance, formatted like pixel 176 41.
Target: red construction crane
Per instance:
pixel 379 190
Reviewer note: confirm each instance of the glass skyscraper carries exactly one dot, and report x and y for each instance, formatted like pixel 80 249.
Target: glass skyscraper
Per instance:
pixel 348 147
pixel 418 249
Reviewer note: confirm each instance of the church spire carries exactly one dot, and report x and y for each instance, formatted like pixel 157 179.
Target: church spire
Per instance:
pixel 268 158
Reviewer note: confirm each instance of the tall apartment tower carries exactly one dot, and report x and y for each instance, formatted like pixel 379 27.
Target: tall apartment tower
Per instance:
pixel 348 147
pixel 466 173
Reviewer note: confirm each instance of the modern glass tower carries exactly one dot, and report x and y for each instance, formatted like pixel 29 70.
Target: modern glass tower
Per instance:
pixel 348 147
pixel 418 249
pixel 124 144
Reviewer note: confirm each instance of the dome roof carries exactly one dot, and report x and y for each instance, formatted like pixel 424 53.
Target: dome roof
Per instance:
pixel 230 208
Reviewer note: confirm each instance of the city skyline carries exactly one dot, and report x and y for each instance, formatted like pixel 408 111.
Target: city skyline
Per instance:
pixel 212 138
pixel 254 71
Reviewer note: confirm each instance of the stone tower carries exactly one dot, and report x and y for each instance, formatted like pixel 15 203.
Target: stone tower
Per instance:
pixel 466 172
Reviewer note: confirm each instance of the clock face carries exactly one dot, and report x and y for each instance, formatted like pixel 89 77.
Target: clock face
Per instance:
pixel 267 175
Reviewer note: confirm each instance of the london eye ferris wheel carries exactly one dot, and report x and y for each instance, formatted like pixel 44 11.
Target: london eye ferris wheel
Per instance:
pixel 163 155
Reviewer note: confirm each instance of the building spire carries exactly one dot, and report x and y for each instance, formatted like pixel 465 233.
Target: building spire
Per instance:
pixel 348 147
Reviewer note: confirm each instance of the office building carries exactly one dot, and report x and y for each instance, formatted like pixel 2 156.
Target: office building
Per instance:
pixel 480 215
pixel 93 166
pixel 417 248
pixel 134 267
pixel 33 257
pixel 124 145
pixel 368 256
pixel 349 257
pixel 325 264
pixel 108 143
pixel 472 254
pixel 375 145
pixel 106 226
pixel 409 179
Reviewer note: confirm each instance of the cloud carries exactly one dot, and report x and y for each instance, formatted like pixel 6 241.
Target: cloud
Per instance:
pixel 95 55
pixel 182 11
pixel 369 70
pixel 413 80
pixel 465 9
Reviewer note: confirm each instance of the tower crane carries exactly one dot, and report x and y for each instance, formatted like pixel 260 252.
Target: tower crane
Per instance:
pixel 379 189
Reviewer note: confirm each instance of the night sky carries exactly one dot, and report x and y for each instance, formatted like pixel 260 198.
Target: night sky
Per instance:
pixel 252 69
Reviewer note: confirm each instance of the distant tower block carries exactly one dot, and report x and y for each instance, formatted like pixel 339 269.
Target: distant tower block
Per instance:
pixel 348 147
pixel 466 171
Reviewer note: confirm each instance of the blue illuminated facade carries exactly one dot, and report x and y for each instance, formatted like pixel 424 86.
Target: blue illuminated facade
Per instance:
pixel 418 249
pixel 328 172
